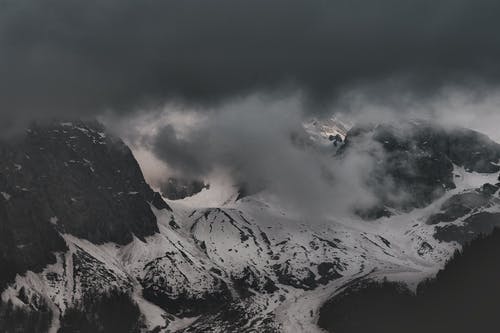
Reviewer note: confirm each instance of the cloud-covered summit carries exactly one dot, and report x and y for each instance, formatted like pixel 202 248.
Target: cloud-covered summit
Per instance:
pixel 241 70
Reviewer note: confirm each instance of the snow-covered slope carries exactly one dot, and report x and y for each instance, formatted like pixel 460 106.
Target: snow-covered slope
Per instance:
pixel 225 265
pixel 266 267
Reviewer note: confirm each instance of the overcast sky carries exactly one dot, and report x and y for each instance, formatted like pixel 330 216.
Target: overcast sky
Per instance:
pixel 83 57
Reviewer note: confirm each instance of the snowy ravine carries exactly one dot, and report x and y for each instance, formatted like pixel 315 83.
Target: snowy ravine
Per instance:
pixel 225 265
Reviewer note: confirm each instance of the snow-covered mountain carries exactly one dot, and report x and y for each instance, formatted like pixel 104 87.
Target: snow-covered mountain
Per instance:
pixel 79 222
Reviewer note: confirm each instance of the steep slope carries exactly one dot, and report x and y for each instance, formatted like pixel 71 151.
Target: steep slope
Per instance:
pixel 213 261
pixel 68 178
pixel 415 161
pixel 464 297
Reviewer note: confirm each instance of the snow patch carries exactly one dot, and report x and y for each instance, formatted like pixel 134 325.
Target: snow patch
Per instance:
pixel 465 180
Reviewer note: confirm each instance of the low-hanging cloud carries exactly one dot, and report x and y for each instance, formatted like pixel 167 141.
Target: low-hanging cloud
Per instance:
pixel 79 58
pixel 260 142
pixel 450 106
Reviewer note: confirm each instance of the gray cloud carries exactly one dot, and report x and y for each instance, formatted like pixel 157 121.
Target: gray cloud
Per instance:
pixel 81 57
pixel 261 142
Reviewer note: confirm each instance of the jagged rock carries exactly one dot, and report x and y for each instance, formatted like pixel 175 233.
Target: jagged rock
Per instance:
pixel 248 282
pixel 481 223
pixel 302 278
pixel 424 249
pixel 415 165
pixel 68 178
pixel 159 203
pixel 460 205
pixel 328 271
pixel 182 287
pixel 178 188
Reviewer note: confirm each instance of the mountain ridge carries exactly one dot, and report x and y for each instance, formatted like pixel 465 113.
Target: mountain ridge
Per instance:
pixel 244 265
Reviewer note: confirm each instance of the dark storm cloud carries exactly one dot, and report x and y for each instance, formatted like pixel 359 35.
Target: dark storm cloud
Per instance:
pixel 72 56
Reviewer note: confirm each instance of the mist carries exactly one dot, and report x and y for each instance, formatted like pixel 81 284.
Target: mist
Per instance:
pixel 260 141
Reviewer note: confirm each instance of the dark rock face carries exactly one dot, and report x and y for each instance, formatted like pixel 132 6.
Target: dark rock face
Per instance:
pixel 157 291
pixel 482 223
pixel 328 271
pixel 468 207
pixel 302 278
pixel 94 276
pixel 166 285
pixel 424 249
pixel 249 281
pixel 175 189
pixel 416 160
pixel 460 205
pixel 25 243
pixel 69 178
